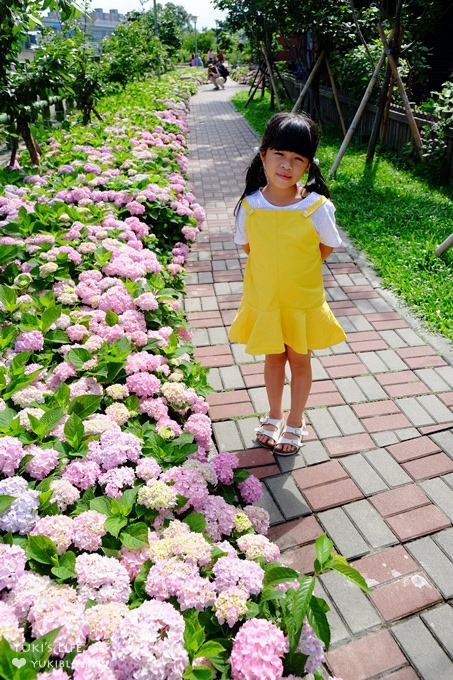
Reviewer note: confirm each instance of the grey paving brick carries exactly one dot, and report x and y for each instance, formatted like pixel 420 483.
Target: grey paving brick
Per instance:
pixel 392 360
pixel 233 263
pixel 385 438
pixel 346 419
pixel 393 339
pixel 370 524
pixel 370 387
pixel 422 649
pixel 231 378
pixel 205 277
pixel 341 348
pixel 360 323
pixel 287 496
pixel 436 408
pixel 222 288
pixel 411 337
pixel 314 452
pixel 335 294
pixel 289 463
pixel 227 436
pixel 258 397
pixel 343 533
pixel 363 474
pixel 209 303
pixel 343 280
pixel 412 408
pixel 440 493
pixel 444 440
pixel 346 324
pixel 323 423
pixel 444 539
pixel 447 374
pixel 218 266
pixel 359 279
pixel 236 287
pixel 200 337
pixel 407 433
pixel 241 357
pixel 215 380
pixel 267 502
pixel 432 379
pixel 246 427
pixel 440 623
pixel 380 305
pixel 338 631
pixel 392 473
pixel 217 335
pixel 192 304
pixel 364 306
pixel 318 370
pixel 448 479
pixel 372 361
pixel 434 561
pixel 355 607
pixel 350 391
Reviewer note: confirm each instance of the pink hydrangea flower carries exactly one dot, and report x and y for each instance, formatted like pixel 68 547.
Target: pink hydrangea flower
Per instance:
pixel 11 453
pixel 88 530
pixel 29 341
pixel 258 649
pixel 56 527
pixel 149 643
pixel 12 564
pixel 250 489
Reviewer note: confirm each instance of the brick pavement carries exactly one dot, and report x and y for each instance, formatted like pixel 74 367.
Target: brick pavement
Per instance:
pixel 376 470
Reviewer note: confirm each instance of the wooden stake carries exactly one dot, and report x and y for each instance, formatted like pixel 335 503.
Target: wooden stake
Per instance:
pixel 407 107
pixel 309 81
pixel 357 116
pixel 335 95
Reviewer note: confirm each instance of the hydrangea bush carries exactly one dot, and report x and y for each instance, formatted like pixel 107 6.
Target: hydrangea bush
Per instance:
pixel 129 548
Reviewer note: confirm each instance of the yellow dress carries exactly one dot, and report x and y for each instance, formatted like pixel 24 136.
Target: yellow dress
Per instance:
pixel 283 301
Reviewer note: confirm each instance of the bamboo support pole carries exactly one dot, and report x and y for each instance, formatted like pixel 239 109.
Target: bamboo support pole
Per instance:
pixel 357 116
pixel 445 245
pixel 335 95
pixel 309 81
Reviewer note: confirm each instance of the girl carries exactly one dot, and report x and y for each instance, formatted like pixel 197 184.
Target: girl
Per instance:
pixel 287 229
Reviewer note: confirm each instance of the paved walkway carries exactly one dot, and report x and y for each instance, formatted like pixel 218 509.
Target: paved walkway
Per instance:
pixel 376 471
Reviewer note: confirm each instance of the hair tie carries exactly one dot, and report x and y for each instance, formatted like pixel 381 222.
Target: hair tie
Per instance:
pixel 256 149
pixel 315 161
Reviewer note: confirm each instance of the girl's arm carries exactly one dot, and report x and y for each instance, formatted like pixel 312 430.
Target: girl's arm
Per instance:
pixel 325 251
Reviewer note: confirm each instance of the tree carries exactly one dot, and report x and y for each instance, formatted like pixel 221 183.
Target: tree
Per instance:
pixel 23 83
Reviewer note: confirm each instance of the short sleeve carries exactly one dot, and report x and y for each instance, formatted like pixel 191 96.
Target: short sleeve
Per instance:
pixel 325 224
pixel 240 236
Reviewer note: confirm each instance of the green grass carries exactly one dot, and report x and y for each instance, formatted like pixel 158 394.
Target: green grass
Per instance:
pixel 396 219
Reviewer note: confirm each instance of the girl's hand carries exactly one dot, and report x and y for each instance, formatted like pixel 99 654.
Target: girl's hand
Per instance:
pixel 325 251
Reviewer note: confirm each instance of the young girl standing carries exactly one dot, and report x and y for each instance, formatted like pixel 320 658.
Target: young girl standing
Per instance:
pixel 287 229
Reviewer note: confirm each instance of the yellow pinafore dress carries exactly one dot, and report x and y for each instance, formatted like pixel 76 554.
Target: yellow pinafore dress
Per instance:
pixel 283 302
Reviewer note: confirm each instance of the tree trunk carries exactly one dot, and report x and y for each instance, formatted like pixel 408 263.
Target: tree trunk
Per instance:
pixel 14 150
pixel 23 129
pixel 271 77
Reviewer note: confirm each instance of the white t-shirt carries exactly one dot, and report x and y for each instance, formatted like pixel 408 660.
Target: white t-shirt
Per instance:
pixel 323 218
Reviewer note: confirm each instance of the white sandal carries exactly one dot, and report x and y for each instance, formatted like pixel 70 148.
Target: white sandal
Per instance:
pixel 300 433
pixel 271 434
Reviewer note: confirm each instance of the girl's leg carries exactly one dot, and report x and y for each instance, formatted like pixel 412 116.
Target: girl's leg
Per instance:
pixel 274 380
pixel 301 379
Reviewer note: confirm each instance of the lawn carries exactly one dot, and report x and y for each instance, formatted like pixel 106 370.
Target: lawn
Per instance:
pixel 394 218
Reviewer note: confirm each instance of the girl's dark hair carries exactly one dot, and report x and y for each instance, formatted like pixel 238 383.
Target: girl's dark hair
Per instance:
pixel 287 131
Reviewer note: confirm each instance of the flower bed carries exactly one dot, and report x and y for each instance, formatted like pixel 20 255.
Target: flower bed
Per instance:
pixel 129 549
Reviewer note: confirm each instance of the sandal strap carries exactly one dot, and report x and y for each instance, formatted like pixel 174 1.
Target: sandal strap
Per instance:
pixel 291 442
pixel 269 421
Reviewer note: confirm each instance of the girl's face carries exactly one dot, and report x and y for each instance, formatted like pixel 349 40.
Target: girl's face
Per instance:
pixel 284 168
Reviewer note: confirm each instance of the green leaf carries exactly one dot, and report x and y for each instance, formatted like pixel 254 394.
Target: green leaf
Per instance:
pixel 210 648
pixel 6 417
pixel 324 548
pixel 135 536
pixel 47 422
pixel 199 673
pixel 196 522
pixel 114 525
pixel 6 502
pixel 73 431
pixel 340 564
pixel 126 501
pixel 7 335
pixel 140 580
pixel 111 319
pixel 48 317
pixel 278 574
pixel 8 298
pixel 301 600
pixel 85 405
pixel 102 504
pixel 41 549
pixel 78 356
pixel 316 616
pixel 270 593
